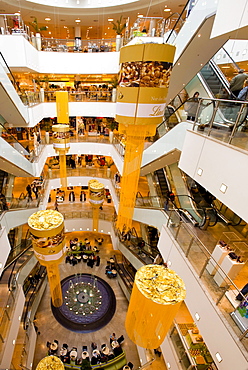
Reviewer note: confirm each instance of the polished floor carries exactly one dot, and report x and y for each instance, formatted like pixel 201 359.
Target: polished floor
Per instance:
pixel 50 329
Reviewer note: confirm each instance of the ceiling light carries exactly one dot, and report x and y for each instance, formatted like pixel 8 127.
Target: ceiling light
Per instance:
pixel 199 171
pixel 77 20
pixel 197 316
pixel 167 10
pixel 218 356
pixel 140 16
pixel 223 188
pixel 110 19
pixel 47 19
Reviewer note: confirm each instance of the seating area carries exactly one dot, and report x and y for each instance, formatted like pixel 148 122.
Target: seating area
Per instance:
pixel 110 269
pixel 102 357
pixel 83 251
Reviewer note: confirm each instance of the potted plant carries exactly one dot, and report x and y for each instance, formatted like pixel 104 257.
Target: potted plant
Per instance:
pixel 114 83
pixel 85 365
pixel 111 125
pixel 109 164
pixel 118 27
pixel 37 29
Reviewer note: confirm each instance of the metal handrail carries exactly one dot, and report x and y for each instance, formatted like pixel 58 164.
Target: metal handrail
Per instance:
pixel 178 19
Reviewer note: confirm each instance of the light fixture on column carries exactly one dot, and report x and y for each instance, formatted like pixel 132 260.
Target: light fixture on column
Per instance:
pixel 141 95
pixel 61 137
pixel 96 198
pixel 156 297
pixel 47 233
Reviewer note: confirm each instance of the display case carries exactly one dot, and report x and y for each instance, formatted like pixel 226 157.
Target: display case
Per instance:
pixel 191 348
pixel 231 268
pixel 220 251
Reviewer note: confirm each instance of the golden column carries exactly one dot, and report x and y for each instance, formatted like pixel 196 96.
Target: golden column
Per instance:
pixel 96 198
pixel 143 84
pixel 61 137
pixel 156 297
pixel 50 363
pixel 47 233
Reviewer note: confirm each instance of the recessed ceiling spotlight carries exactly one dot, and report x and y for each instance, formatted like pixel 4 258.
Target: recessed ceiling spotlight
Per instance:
pixel 167 10
pixel 77 20
pixel 110 19
pixel 140 16
pixel 47 19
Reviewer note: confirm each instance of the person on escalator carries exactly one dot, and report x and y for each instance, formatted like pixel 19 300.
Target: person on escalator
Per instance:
pixel 237 83
pixel 171 196
pixel 191 106
pixel 243 95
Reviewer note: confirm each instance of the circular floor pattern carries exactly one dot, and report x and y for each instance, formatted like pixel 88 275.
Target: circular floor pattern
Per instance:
pixel 89 303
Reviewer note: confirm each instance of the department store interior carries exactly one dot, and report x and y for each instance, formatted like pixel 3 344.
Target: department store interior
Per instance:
pixel 147 179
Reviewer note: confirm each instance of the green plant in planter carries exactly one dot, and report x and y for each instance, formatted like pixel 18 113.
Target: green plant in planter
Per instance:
pixel 112 125
pixel 114 82
pixel 85 365
pixel 118 27
pixel 109 163
pixel 36 27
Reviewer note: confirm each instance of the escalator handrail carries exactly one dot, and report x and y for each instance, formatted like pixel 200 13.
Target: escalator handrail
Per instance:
pixel 176 109
pixel 220 75
pixel 12 137
pixel 6 64
pixel 16 258
pixel 219 212
pixel 233 61
pixel 37 288
pixel 178 19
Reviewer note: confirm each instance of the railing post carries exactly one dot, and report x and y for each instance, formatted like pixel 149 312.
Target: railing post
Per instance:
pixel 189 247
pixel 236 123
pixel 222 295
pixel 204 266
pixel 213 117
pixel 178 229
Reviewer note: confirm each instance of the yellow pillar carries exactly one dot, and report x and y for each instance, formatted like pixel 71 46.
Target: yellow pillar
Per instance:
pixel 141 95
pixel 47 233
pixel 61 144
pixel 61 137
pixel 156 297
pixel 96 198
pixel 50 363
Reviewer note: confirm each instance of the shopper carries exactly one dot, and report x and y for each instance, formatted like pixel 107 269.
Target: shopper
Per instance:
pixel 236 84
pixel 191 106
pixel 243 95
pixel 29 190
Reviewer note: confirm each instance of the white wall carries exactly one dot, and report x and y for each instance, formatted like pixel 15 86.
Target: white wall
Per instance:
pixel 235 16
pixel 5 248
pixel 9 345
pixel 171 140
pixel 221 164
pixel 212 328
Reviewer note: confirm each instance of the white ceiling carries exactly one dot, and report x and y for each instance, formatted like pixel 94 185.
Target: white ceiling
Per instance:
pixel 97 17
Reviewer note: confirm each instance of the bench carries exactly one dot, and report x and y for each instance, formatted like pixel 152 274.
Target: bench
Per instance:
pixel 116 363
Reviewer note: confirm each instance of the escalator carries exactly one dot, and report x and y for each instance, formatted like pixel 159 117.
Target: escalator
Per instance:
pixel 162 181
pixel 215 80
pixel 197 214
pixel 226 215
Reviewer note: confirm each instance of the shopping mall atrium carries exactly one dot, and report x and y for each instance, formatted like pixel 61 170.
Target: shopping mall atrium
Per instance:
pixel 123 184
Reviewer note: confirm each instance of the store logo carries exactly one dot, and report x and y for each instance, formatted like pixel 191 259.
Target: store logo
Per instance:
pixel 156 111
